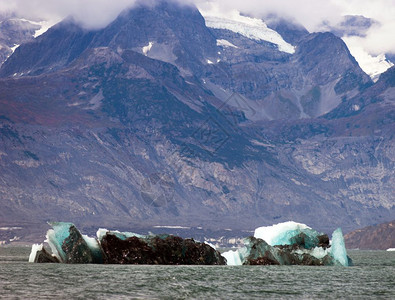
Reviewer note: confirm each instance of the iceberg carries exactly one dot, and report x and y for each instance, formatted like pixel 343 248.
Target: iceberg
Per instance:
pixel 289 233
pixel 338 248
pixel 290 243
pixel 69 246
pixel 35 249
pixel 286 243
pixel 236 257
pixel 40 255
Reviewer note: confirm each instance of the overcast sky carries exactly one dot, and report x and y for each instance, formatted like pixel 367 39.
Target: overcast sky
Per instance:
pixel 310 13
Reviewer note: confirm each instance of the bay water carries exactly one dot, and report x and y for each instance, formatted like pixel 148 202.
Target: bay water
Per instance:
pixel 371 277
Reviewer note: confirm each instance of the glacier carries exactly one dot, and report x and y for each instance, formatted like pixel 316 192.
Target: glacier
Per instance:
pixel 251 28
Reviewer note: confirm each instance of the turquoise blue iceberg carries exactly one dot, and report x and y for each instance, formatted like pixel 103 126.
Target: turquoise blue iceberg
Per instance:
pixel 290 243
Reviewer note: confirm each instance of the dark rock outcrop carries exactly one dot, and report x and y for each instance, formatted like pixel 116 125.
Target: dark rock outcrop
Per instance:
pixel 159 250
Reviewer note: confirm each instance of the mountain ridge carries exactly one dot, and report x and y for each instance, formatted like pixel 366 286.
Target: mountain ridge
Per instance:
pixel 106 133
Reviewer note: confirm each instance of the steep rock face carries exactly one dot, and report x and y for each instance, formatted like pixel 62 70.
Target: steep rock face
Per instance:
pixel 277 85
pixel 376 237
pixel 115 133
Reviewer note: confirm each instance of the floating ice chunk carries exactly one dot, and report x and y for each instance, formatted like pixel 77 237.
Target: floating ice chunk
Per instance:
pixel 285 234
pixel 35 249
pixel 172 226
pixel 69 246
pixel 272 234
pixel 95 248
pixel 235 257
pixel 338 248
pixel 56 237
pixel 38 254
pixel 290 243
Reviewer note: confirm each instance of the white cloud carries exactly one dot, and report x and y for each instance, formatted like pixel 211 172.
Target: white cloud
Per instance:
pixel 89 13
pixel 380 37
pixel 373 65
pixel 310 13
pixel 314 13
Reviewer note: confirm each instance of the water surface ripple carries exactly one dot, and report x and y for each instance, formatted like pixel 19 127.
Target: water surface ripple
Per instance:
pixel 372 277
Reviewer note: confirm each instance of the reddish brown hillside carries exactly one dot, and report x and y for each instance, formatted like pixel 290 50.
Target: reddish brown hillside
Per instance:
pixel 377 237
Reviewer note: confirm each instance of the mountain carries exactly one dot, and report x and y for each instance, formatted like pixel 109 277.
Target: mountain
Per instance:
pixel 14 32
pixel 354 28
pixel 352 25
pixel 166 117
pixel 376 237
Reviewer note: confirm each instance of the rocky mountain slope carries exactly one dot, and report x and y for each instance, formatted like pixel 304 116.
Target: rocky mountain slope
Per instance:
pixel 376 237
pixel 158 119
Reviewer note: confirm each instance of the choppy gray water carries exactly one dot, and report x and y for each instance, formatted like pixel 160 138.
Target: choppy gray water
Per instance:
pixel 373 276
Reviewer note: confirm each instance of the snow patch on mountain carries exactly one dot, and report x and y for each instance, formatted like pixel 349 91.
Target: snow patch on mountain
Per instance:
pixel 147 48
pixel 225 43
pixel 44 26
pixel 14 48
pixel 251 28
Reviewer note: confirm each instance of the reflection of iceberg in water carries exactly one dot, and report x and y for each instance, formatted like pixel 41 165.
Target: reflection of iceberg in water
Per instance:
pixel 287 243
pixel 290 243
